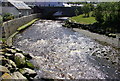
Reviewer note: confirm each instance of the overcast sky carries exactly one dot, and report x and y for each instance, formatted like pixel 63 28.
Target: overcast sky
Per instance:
pixel 65 0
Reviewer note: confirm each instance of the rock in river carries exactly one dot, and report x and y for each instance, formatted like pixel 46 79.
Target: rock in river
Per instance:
pixel 18 75
pixel 28 72
pixel 19 59
pixel 3 69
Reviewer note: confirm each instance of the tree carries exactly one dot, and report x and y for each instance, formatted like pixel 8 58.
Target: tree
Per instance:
pixel 108 14
pixel 87 8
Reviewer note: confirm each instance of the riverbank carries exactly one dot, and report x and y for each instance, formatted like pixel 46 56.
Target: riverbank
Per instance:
pixel 83 20
pixel 101 38
pixel 15 64
pixel 91 24
pixel 111 39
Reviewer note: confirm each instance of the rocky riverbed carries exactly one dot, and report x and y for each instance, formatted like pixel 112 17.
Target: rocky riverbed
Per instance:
pixel 61 53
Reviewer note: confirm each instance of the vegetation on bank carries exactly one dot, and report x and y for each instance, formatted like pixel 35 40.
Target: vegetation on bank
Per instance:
pixel 26 25
pixel 103 19
pixel 0 20
pixel 80 2
pixel 7 16
pixel 108 16
pixel 83 20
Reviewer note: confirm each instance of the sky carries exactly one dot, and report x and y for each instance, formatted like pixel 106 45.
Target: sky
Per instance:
pixel 65 0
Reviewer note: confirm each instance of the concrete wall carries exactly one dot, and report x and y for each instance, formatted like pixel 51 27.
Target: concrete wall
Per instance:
pixel 11 26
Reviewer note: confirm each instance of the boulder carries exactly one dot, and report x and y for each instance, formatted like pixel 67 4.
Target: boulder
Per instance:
pixel 1 57
pixel 13 51
pixel 9 62
pixel 18 50
pixel 28 72
pixel 2 50
pixel 6 76
pixel 2 53
pixel 19 59
pixel 9 67
pixel 28 55
pixel 18 75
pixel 8 54
pixel 12 63
pixel 3 69
pixel 13 47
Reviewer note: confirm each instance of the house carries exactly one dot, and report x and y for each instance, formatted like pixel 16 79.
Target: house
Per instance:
pixel 0 8
pixel 16 8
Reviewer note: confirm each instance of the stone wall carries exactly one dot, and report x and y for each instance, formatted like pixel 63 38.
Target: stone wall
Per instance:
pixel 11 26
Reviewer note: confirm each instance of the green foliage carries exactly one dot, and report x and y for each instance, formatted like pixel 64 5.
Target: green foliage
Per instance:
pixel 108 14
pixel 87 8
pixel 82 20
pixel 1 20
pixel 7 16
pixel 76 12
pixel 26 25
pixel 76 2
pixel 30 65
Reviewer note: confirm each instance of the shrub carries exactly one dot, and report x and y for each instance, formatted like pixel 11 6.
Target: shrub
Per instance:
pixel 0 20
pixel 7 16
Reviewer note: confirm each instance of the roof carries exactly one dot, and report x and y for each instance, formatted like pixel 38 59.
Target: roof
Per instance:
pixel 19 4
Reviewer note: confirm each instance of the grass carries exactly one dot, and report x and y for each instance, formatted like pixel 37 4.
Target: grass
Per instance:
pixel 26 25
pixel 83 20
pixel 2 40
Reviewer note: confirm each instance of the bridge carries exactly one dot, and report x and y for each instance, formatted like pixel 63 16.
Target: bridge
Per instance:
pixel 49 12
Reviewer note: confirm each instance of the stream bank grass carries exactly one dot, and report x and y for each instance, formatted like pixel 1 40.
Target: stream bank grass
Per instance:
pixel 83 20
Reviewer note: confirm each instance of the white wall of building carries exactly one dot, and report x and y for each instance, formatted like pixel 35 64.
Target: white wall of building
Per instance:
pixel 0 10
pixel 11 10
pixel 0 7
pixel 15 12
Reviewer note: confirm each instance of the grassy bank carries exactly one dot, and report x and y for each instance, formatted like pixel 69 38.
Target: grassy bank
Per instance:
pixel 83 20
pixel 26 25
pixel 91 24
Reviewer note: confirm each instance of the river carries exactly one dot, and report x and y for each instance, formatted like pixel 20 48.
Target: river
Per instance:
pixel 61 53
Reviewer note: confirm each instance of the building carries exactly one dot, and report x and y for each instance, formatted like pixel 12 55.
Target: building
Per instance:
pixel 0 8
pixel 16 8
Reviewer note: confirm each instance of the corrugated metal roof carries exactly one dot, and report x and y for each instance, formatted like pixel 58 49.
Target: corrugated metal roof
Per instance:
pixel 19 4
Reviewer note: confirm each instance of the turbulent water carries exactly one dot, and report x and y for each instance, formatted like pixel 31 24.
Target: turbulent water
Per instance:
pixel 61 53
